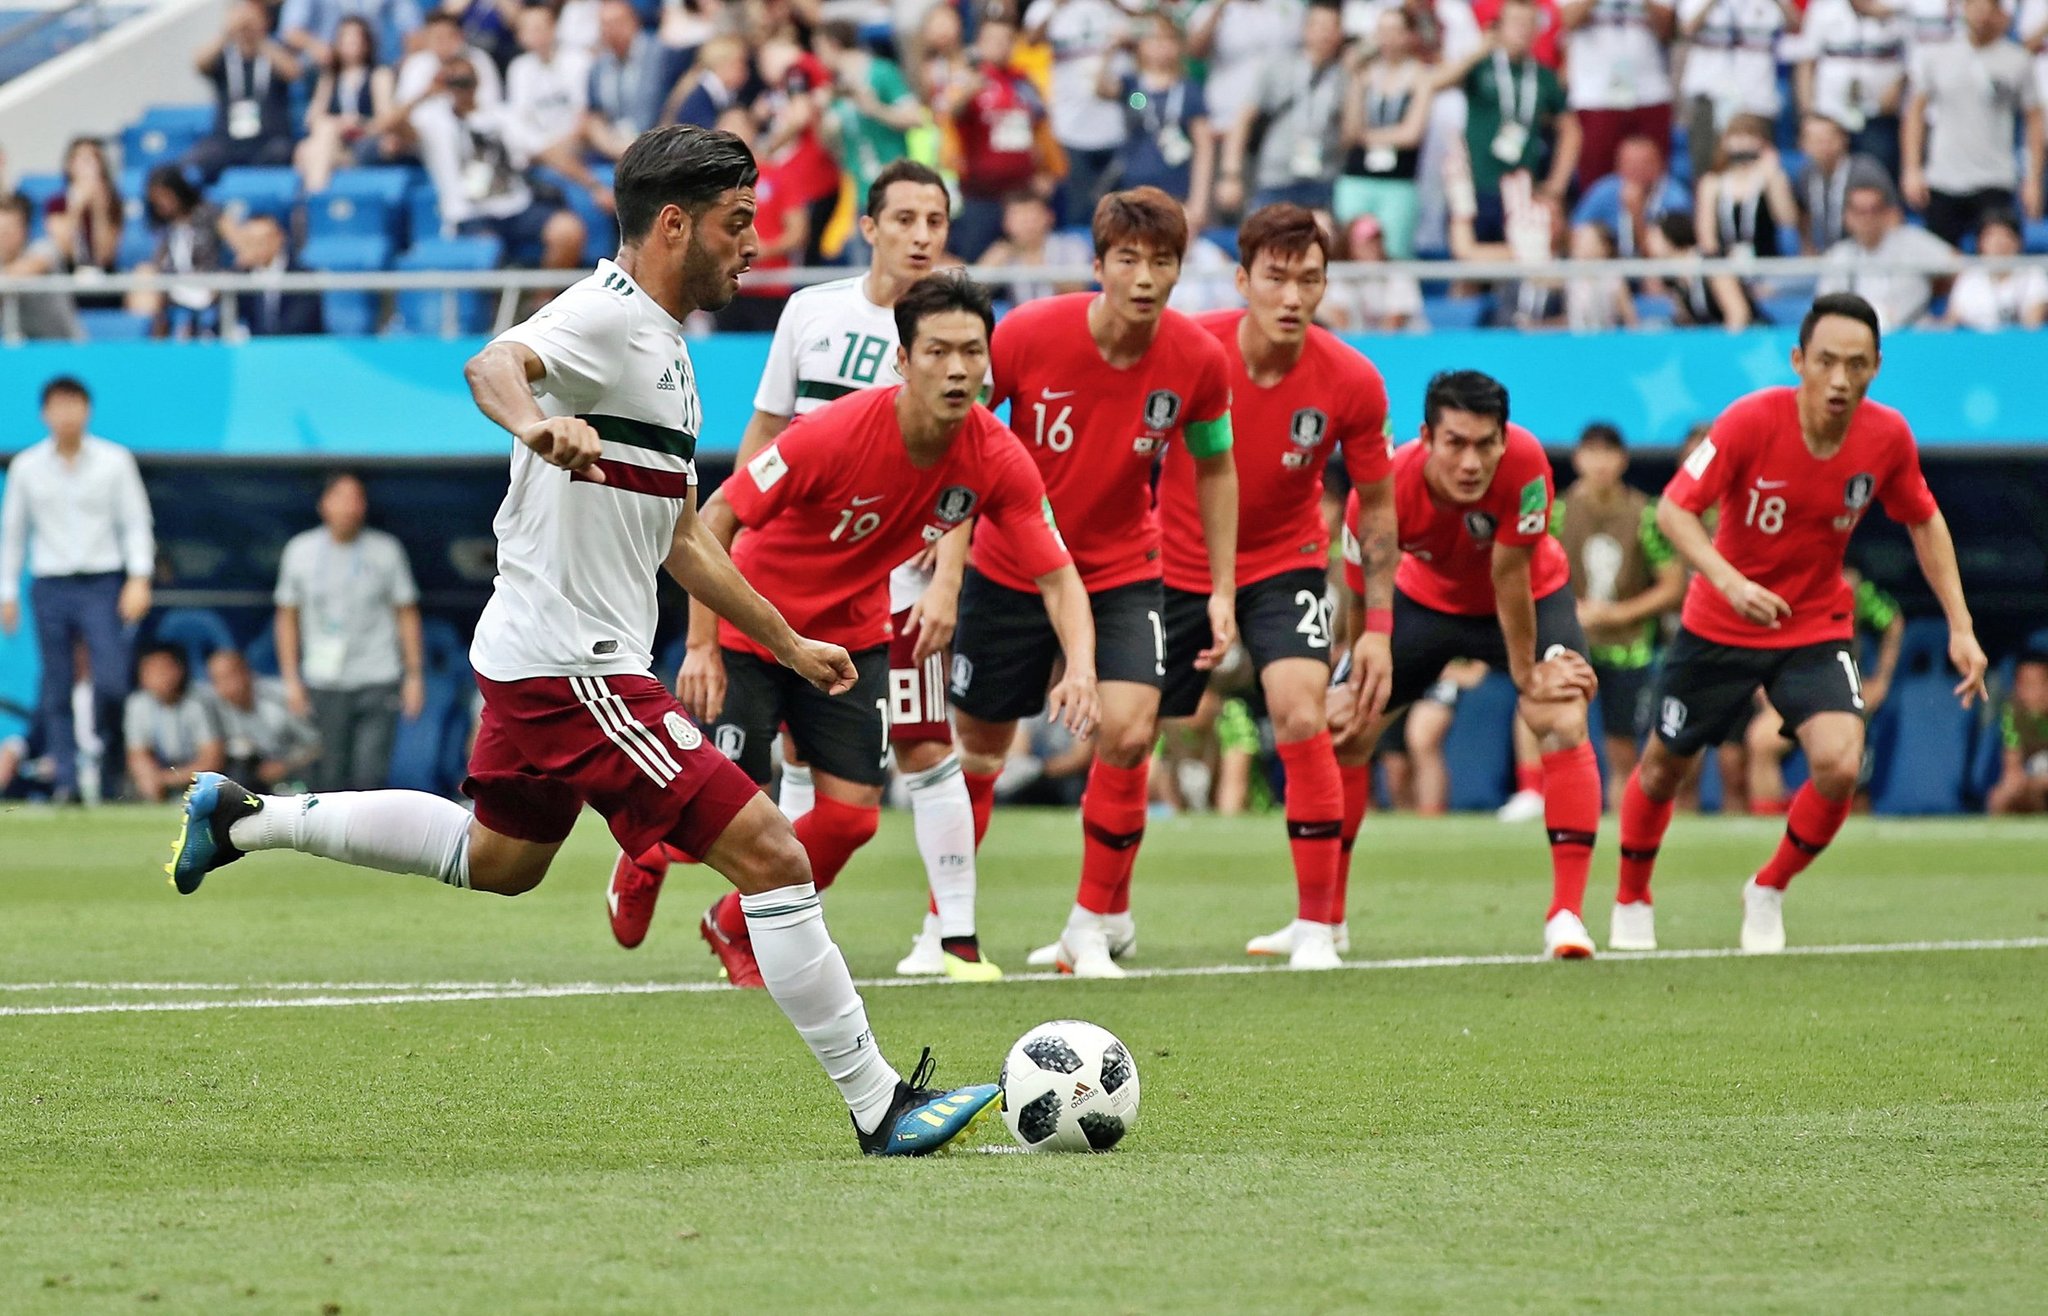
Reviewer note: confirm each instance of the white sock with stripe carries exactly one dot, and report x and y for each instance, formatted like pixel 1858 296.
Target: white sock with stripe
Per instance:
pixel 796 795
pixel 391 831
pixel 943 817
pixel 807 976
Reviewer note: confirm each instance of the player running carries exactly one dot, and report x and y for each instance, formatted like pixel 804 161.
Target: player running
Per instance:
pixel 834 338
pixel 1296 392
pixel 1792 470
pixel 1100 383
pixel 597 389
pixel 1482 577
pixel 841 497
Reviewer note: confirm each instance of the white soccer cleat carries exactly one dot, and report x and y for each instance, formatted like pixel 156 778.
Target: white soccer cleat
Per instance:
pixel 927 957
pixel 1121 929
pixel 1522 806
pixel 1283 941
pixel 1084 952
pixel 1314 947
pixel 1565 937
pixel 1634 926
pixel 1763 919
pixel 1044 957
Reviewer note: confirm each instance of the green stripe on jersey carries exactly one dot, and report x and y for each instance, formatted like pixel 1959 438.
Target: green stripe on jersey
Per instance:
pixel 822 390
pixel 1209 438
pixel 643 434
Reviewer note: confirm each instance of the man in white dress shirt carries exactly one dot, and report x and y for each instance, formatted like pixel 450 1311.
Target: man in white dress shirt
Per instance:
pixel 75 514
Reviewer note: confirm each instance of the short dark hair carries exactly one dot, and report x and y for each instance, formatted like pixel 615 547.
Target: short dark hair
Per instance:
pixel 1678 230
pixel 1845 304
pixel 1465 390
pixel 66 385
pixel 904 171
pixel 1602 434
pixel 439 16
pixel 1142 214
pixel 2003 217
pixel 681 165
pixel 936 294
pixel 2033 658
pixel 1285 229
pixel 159 648
pixel 334 477
pixel 15 203
pixel 173 180
pixel 840 33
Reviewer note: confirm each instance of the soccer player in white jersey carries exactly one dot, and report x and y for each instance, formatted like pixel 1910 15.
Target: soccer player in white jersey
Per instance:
pixel 834 339
pixel 598 392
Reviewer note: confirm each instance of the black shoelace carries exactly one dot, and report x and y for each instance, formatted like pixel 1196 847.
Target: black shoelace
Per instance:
pixel 922 1074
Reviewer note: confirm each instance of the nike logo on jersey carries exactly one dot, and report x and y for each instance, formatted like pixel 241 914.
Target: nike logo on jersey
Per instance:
pixel 863 502
pixel 1051 396
pixel 1772 484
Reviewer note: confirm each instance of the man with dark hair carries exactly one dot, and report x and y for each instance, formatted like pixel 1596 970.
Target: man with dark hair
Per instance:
pixel 1298 112
pixel 833 339
pixel 252 76
pixel 1865 263
pixel 2022 785
pixel 597 389
pixel 170 732
pixel 1481 577
pixel 873 107
pixel 1101 383
pixel 76 515
pixel 1298 394
pixel 997 114
pixel 1625 577
pixel 822 515
pixel 1792 472
pixel 35 315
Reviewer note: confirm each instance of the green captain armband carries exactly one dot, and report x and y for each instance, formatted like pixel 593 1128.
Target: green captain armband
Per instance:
pixel 1208 438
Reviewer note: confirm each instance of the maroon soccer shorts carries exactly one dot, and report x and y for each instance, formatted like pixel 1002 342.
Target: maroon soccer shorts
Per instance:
pixel 917 691
pixel 621 744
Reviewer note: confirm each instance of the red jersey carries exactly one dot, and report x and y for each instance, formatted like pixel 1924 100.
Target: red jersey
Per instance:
pixel 998 130
pixel 1281 437
pixel 834 505
pixel 1095 431
pixel 1786 516
pixel 1447 548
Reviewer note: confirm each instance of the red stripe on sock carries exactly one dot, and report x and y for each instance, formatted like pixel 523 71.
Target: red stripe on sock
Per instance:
pixel 831 832
pixel 1112 814
pixel 730 918
pixel 981 794
pixel 1813 819
pixel 1357 783
pixel 1571 810
pixel 1315 812
pixel 1643 824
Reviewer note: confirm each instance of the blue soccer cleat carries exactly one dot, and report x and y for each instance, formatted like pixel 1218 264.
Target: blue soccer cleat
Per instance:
pixel 922 1119
pixel 212 804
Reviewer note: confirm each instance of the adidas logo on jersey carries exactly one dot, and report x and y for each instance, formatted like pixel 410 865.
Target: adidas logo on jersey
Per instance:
pixel 667 383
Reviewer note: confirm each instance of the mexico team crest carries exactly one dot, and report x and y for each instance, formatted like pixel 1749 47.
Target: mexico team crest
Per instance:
pixel 956 503
pixel 1308 427
pixel 1162 409
pixel 1856 494
pixel 681 730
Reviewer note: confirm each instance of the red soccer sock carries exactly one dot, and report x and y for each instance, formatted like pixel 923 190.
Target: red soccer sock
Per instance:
pixel 1315 824
pixel 831 832
pixel 1356 779
pixel 1643 824
pixel 981 795
pixel 1112 824
pixel 730 918
pixel 1810 824
pixel 1529 776
pixel 1571 810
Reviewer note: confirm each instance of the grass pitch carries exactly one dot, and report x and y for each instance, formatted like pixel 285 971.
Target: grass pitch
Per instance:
pixel 1796 1134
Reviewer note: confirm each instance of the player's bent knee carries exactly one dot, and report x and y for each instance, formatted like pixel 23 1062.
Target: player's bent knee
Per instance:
pixel 1299 722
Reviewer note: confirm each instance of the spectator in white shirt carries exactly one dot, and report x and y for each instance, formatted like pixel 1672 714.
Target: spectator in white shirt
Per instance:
pixel 1969 96
pixel 1030 240
pixel 480 178
pixel 1986 301
pixel 348 638
pixel 1239 38
pixel 76 515
pixel 1620 84
pixel 441 39
pixel 169 730
pixel 547 90
pixel 1852 68
pixel 1731 67
pixel 1878 233
pixel 1085 35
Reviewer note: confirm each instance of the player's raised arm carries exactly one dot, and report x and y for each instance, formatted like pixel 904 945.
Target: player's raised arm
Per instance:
pixel 1378 545
pixel 1936 549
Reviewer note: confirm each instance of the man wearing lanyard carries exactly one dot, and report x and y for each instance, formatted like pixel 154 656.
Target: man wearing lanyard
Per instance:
pixel 1516 116
pixel 76 515
pixel 348 638
pixel 1824 181
pixel 252 76
pixel 1301 101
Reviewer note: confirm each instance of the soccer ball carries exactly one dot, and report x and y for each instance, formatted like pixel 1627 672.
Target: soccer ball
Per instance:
pixel 1069 1086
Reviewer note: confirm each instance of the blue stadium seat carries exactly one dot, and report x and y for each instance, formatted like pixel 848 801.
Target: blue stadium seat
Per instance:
pixel 114 325
pixel 348 312
pixel 1444 312
pixel 1225 238
pixel 138 244
pixel 427 312
pixel 1654 308
pixel 262 652
pixel 1480 749
pixel 164 132
pixel 422 213
pixel 360 202
pixel 257 190
pixel 38 188
pixel 420 757
pixel 196 631
pixel 1929 758
pixel 195 119
pixel 2037 236
pixel 1785 308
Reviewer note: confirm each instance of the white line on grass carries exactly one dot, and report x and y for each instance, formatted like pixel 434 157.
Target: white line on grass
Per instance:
pixel 422 993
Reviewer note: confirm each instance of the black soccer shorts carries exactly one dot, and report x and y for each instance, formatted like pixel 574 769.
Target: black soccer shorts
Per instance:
pixel 1005 647
pixel 846 735
pixel 1706 690
pixel 1283 616
pixel 1426 639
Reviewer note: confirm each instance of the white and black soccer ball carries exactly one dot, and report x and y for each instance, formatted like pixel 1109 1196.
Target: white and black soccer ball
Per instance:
pixel 1069 1086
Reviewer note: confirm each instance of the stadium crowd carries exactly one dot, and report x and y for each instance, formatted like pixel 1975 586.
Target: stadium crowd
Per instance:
pixel 1860 130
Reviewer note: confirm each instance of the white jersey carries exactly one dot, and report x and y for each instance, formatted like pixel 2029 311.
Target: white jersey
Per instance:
pixel 831 341
pixel 577 560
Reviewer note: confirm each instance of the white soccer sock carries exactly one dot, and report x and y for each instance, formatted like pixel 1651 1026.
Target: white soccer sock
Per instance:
pixel 393 831
pixel 807 976
pixel 943 817
pixel 797 794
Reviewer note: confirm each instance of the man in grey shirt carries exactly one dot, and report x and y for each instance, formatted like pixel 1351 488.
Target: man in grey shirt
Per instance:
pixel 1879 234
pixel 1301 102
pixel 1822 187
pixel 169 729
pixel 266 744
pixel 348 638
pixel 32 314
pixel 1969 95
